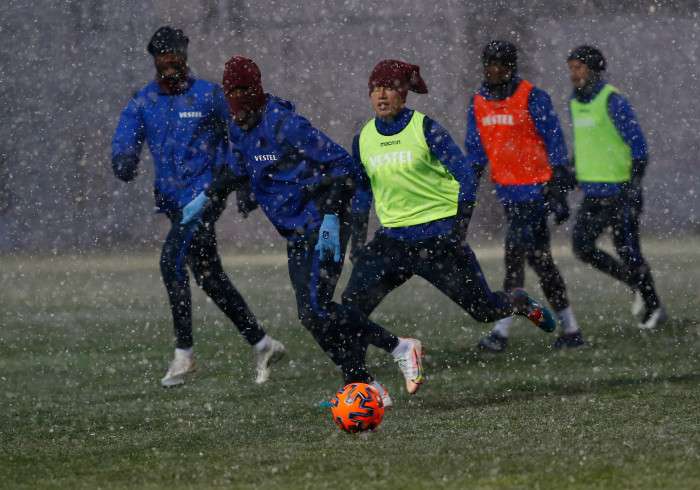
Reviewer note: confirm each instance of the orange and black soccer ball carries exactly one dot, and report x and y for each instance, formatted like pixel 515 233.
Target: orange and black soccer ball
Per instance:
pixel 357 407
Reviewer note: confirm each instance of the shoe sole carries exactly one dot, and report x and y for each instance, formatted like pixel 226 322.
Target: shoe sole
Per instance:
pixel 412 386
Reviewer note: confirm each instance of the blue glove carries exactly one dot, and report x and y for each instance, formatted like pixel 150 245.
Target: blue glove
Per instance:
pixel 329 238
pixel 193 211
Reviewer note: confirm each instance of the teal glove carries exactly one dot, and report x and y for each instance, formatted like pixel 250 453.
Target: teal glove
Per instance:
pixel 329 238
pixel 193 211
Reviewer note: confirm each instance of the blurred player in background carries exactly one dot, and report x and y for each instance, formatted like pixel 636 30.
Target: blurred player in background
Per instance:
pixel 611 157
pixel 183 119
pixel 424 189
pixel 512 126
pixel 302 181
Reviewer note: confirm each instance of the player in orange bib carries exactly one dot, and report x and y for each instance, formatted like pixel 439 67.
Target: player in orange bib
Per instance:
pixel 512 125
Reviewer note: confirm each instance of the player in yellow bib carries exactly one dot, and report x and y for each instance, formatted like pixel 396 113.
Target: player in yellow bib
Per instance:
pixel 424 191
pixel 611 157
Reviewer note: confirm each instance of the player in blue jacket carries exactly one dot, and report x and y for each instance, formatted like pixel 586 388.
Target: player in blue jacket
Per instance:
pixel 512 125
pixel 302 181
pixel 424 191
pixel 184 121
pixel 611 157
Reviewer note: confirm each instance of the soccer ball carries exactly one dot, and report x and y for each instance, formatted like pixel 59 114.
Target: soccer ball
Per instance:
pixel 357 407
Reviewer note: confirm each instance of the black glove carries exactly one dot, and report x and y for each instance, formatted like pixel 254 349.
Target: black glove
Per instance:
pixel 555 202
pixel 245 199
pixel 462 219
pixel 125 167
pixel 563 180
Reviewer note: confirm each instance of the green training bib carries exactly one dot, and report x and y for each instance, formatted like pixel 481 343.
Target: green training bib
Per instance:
pixel 410 186
pixel 601 155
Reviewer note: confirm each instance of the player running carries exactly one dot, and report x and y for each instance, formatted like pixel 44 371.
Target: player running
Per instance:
pixel 611 157
pixel 512 125
pixel 424 192
pixel 183 119
pixel 302 181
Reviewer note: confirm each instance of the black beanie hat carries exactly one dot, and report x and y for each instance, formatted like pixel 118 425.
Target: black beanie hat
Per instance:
pixel 501 52
pixel 168 40
pixel 589 56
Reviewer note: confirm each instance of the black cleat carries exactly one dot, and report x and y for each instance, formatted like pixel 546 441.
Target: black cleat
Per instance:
pixel 493 343
pixel 569 341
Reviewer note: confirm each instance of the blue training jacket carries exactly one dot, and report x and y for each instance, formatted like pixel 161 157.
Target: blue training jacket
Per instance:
pixel 443 147
pixel 548 127
pixel 186 134
pixel 287 160
pixel 627 125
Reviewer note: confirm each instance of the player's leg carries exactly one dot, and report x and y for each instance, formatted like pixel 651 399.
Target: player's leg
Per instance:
pixel 593 217
pixel 174 273
pixel 539 256
pixel 377 271
pixel 383 266
pixel 314 281
pixel 456 272
pixel 514 258
pixel 205 262
pixel 628 246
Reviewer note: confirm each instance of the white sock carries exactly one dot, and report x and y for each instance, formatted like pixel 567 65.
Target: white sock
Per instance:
pixel 502 326
pixel 184 352
pixel 401 349
pixel 568 320
pixel 262 344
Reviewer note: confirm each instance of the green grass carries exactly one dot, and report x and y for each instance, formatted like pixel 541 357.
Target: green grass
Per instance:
pixel 84 341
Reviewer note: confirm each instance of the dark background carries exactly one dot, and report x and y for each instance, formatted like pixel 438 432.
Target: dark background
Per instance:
pixel 68 68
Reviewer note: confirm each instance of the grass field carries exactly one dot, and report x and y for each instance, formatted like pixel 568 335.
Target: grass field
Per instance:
pixel 84 342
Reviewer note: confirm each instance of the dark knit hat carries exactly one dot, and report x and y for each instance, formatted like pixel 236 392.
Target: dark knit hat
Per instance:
pixel 589 56
pixel 168 40
pixel 398 75
pixel 502 52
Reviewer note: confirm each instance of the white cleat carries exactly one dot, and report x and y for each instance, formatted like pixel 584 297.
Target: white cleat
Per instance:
pixel 265 357
pixel 637 304
pixel 181 365
pixel 383 393
pixel 654 319
pixel 410 360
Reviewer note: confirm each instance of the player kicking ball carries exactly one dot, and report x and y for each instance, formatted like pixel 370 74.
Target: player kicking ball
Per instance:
pixel 302 181
pixel 424 191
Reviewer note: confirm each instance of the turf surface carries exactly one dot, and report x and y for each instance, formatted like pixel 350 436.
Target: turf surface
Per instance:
pixel 85 340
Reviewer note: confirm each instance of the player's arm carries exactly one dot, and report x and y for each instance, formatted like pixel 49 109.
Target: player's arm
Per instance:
pixel 625 120
pixel 227 178
pixel 563 178
pixel 443 147
pixel 473 145
pixel 330 162
pixel 361 202
pixel 127 142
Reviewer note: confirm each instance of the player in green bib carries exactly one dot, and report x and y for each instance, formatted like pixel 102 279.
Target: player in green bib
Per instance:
pixel 424 190
pixel 610 153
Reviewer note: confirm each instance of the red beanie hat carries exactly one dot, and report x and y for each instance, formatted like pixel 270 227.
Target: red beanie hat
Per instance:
pixel 243 72
pixel 398 75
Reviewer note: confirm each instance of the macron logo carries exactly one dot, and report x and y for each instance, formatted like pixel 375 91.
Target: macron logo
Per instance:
pixel 190 114
pixel 271 157
pixel 498 120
